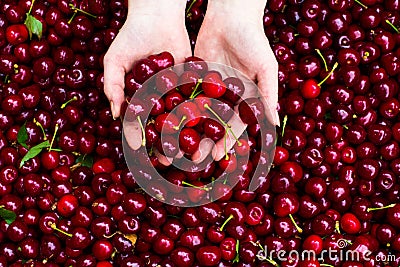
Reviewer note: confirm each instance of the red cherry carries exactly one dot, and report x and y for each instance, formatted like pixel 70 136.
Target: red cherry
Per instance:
pixel 16 34
pixel 213 86
pixel 67 205
pixel 103 165
pixel 350 223
pixel 189 140
pixel 310 89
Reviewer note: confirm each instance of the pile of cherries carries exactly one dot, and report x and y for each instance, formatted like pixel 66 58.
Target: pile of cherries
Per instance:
pixel 67 197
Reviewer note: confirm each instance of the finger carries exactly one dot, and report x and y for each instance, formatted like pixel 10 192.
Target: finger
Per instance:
pixel 164 160
pixel 114 83
pixel 238 127
pixel 204 150
pixel 268 85
pixel 133 134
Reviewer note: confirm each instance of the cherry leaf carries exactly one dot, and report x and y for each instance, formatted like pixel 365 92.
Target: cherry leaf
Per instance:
pixel 7 215
pixel 34 26
pixel 22 136
pixel 85 161
pixel 34 151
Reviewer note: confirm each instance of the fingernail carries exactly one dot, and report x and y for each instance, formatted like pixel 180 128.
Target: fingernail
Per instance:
pixel 277 121
pixel 112 109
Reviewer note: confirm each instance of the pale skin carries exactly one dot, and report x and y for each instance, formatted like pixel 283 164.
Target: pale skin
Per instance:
pixel 238 41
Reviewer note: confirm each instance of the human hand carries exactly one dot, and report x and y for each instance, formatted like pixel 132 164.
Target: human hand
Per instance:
pixel 152 26
pixel 232 34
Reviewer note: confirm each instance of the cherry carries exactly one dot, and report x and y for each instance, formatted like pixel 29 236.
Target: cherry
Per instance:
pixel 350 223
pixel 67 205
pixel 213 86
pixel 208 255
pixel 162 60
pixel 16 34
pixel 251 111
pixel 189 140
pixel 143 70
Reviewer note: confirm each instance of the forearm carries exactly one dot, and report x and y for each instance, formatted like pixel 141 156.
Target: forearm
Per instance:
pixel 170 8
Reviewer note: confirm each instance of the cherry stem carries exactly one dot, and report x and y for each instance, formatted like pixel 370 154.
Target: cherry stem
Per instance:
pixel 190 6
pixel 38 124
pixel 225 149
pixel 194 93
pixel 226 221
pixel 329 74
pixel 180 123
pixel 236 259
pixel 322 57
pixel 69 101
pixel 195 186
pixel 295 224
pixel 227 126
pixel 82 11
pixel 54 136
pixel 72 17
pixel 30 8
pixel 391 25
pixel 284 125
pixel 143 132
pixel 337 227
pixel 325 265
pixel 54 227
pixel 381 208
pixel 361 4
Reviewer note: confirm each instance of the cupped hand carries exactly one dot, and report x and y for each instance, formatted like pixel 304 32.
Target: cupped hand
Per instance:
pixel 235 37
pixel 151 27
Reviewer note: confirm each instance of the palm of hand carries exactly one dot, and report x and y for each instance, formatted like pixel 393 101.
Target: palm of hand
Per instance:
pixel 140 36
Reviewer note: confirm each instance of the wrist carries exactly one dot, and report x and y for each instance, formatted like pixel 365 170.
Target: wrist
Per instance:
pixel 163 8
pixel 247 9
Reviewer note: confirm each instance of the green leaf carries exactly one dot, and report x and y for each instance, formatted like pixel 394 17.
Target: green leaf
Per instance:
pixel 34 151
pixel 22 136
pixel 85 160
pixel 7 215
pixel 34 26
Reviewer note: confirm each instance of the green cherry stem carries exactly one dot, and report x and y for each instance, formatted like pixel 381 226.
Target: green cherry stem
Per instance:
pixel 381 208
pixel 225 222
pixel 180 123
pixel 68 101
pixel 391 25
pixel 190 6
pixel 284 125
pixel 195 186
pixel 82 11
pixel 329 74
pixel 322 57
pixel 295 224
pixel 54 136
pixel 325 265
pixel 30 8
pixel 195 93
pixel 227 126
pixel 361 4
pixel 54 227
pixel 236 259
pixel 337 227
pixel 38 124
pixel 143 132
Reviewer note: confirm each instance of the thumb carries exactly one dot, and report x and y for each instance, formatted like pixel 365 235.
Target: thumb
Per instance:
pixel 114 84
pixel 267 79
